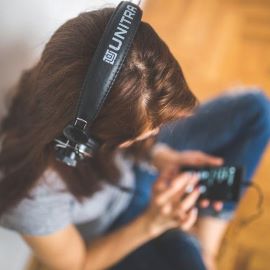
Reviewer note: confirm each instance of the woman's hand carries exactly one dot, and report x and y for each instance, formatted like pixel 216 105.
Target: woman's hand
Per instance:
pixel 170 206
pixel 165 158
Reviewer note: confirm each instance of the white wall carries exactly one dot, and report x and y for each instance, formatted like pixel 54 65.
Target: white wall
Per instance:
pixel 13 251
pixel 25 27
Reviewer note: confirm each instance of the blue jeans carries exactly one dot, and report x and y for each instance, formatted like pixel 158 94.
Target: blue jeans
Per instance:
pixel 235 127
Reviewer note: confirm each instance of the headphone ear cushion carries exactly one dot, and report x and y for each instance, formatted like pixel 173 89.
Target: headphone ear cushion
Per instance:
pixel 70 153
pixel 91 146
pixel 68 156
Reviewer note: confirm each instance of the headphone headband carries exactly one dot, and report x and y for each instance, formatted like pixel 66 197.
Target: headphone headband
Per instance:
pixel 104 68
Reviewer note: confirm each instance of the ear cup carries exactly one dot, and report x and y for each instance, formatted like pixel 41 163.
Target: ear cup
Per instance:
pixel 70 153
pixel 88 149
pixel 67 156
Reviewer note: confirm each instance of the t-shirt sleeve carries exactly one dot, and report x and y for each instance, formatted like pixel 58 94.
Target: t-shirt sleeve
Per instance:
pixel 45 212
pixel 38 216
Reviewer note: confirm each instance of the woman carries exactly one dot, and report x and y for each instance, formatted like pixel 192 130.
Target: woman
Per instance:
pixel 96 216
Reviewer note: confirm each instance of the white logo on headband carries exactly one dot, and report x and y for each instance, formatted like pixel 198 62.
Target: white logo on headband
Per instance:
pixel 119 35
pixel 109 56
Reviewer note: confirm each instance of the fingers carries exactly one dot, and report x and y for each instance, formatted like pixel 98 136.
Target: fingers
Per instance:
pixel 177 186
pixel 189 188
pixel 190 219
pixel 163 180
pixel 211 160
pixel 202 159
pixel 182 209
pixel 218 205
pixel 204 203
pixel 190 200
pixel 184 213
pixel 198 158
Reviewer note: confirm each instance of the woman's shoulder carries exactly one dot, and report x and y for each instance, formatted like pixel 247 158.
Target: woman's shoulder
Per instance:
pixel 50 182
pixel 44 210
pixel 50 206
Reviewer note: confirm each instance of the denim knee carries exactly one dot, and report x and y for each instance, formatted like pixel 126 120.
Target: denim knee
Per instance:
pixel 254 105
pixel 255 100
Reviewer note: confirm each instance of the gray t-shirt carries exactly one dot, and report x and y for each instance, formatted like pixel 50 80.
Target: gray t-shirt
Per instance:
pixel 52 207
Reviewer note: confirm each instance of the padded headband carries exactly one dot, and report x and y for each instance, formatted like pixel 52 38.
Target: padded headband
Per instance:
pixel 104 67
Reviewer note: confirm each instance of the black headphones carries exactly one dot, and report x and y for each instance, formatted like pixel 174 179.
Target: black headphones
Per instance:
pixel 76 144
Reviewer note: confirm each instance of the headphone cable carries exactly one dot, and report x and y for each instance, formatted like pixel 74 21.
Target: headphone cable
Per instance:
pixel 259 207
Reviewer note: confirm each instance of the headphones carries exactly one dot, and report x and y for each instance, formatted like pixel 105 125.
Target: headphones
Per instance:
pixel 76 144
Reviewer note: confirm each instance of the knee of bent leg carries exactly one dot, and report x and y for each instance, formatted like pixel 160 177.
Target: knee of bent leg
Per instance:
pixel 256 101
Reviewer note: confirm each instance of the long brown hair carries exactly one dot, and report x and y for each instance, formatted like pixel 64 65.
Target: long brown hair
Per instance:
pixel 149 91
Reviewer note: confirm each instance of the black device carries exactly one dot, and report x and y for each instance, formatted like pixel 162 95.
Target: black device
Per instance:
pixel 76 143
pixel 218 183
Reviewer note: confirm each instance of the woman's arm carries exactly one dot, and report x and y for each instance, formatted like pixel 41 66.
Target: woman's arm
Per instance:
pixel 110 249
pixel 65 249
pixel 61 250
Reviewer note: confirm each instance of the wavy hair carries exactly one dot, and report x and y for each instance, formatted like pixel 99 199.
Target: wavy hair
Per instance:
pixel 149 91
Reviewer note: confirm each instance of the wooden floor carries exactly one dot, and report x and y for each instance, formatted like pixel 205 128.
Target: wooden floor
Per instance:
pixel 222 44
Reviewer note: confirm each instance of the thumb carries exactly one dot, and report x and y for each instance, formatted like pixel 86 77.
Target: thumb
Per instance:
pixel 198 158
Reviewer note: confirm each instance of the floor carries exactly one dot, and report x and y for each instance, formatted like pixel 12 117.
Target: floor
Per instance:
pixel 219 45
